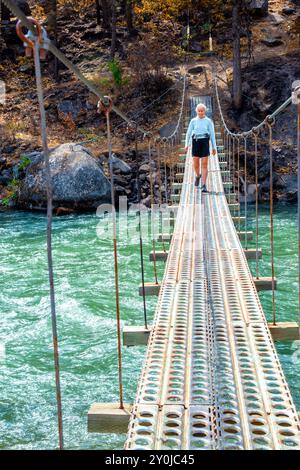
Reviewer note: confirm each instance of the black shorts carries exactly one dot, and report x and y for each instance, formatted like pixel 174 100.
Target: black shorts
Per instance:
pixel 200 147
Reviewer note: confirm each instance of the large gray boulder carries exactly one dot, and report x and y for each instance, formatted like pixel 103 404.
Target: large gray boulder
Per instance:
pixel 77 177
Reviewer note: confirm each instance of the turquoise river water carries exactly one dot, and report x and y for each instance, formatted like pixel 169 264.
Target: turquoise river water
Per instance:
pixel 84 281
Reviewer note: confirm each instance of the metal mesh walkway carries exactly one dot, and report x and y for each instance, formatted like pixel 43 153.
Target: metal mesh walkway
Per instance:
pixel 211 377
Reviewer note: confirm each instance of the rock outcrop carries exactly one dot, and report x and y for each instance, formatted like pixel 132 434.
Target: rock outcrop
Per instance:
pixel 266 85
pixel 77 177
pixel 259 8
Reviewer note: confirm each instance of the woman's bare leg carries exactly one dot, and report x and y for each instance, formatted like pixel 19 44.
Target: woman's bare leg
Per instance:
pixel 204 162
pixel 197 165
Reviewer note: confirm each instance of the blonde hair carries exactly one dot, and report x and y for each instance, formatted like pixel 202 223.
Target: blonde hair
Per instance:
pixel 201 105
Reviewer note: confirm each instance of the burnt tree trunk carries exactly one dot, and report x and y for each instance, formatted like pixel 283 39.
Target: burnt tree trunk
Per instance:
pixel 107 6
pixel 129 16
pixel 51 12
pixel 237 69
pixel 98 12
pixel 113 29
pixel 4 13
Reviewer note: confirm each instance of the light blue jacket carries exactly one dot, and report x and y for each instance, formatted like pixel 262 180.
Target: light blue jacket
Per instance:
pixel 199 127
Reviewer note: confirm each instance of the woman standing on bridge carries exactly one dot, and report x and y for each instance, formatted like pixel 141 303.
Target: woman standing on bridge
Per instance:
pixel 201 129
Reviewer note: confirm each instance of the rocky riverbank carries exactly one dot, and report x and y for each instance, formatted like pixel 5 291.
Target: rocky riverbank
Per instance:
pixel 81 181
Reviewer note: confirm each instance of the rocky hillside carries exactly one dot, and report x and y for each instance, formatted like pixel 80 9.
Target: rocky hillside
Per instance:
pixel 72 115
pixel 72 110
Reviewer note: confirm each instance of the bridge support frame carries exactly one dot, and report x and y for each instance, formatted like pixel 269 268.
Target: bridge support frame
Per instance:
pixel 264 283
pixel 108 418
pixel 285 331
pixel 282 331
pixel 151 288
pixel 136 335
pixel 250 253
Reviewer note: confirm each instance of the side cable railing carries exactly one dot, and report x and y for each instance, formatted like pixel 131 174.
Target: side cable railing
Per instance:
pixel 238 182
pixel 268 124
pixel 256 202
pixel 106 109
pixel 171 141
pixel 37 41
pixel 246 190
pixel 152 213
pixel 140 232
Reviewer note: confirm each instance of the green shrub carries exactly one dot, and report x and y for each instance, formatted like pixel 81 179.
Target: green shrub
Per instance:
pixel 115 68
pixel 24 162
pixel 14 184
pixel 6 200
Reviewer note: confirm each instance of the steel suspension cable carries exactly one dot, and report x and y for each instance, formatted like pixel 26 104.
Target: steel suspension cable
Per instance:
pixel 159 173
pixel 221 130
pixel 238 185
pixel 233 167
pixel 169 142
pixel 270 124
pixel 246 192
pixel 140 234
pixel 227 155
pixel 152 212
pixel 160 192
pixel 171 149
pixel 224 136
pixel 226 147
pixel 256 202
pixel 43 125
pixel 166 174
pixel 106 108
pixel 229 161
